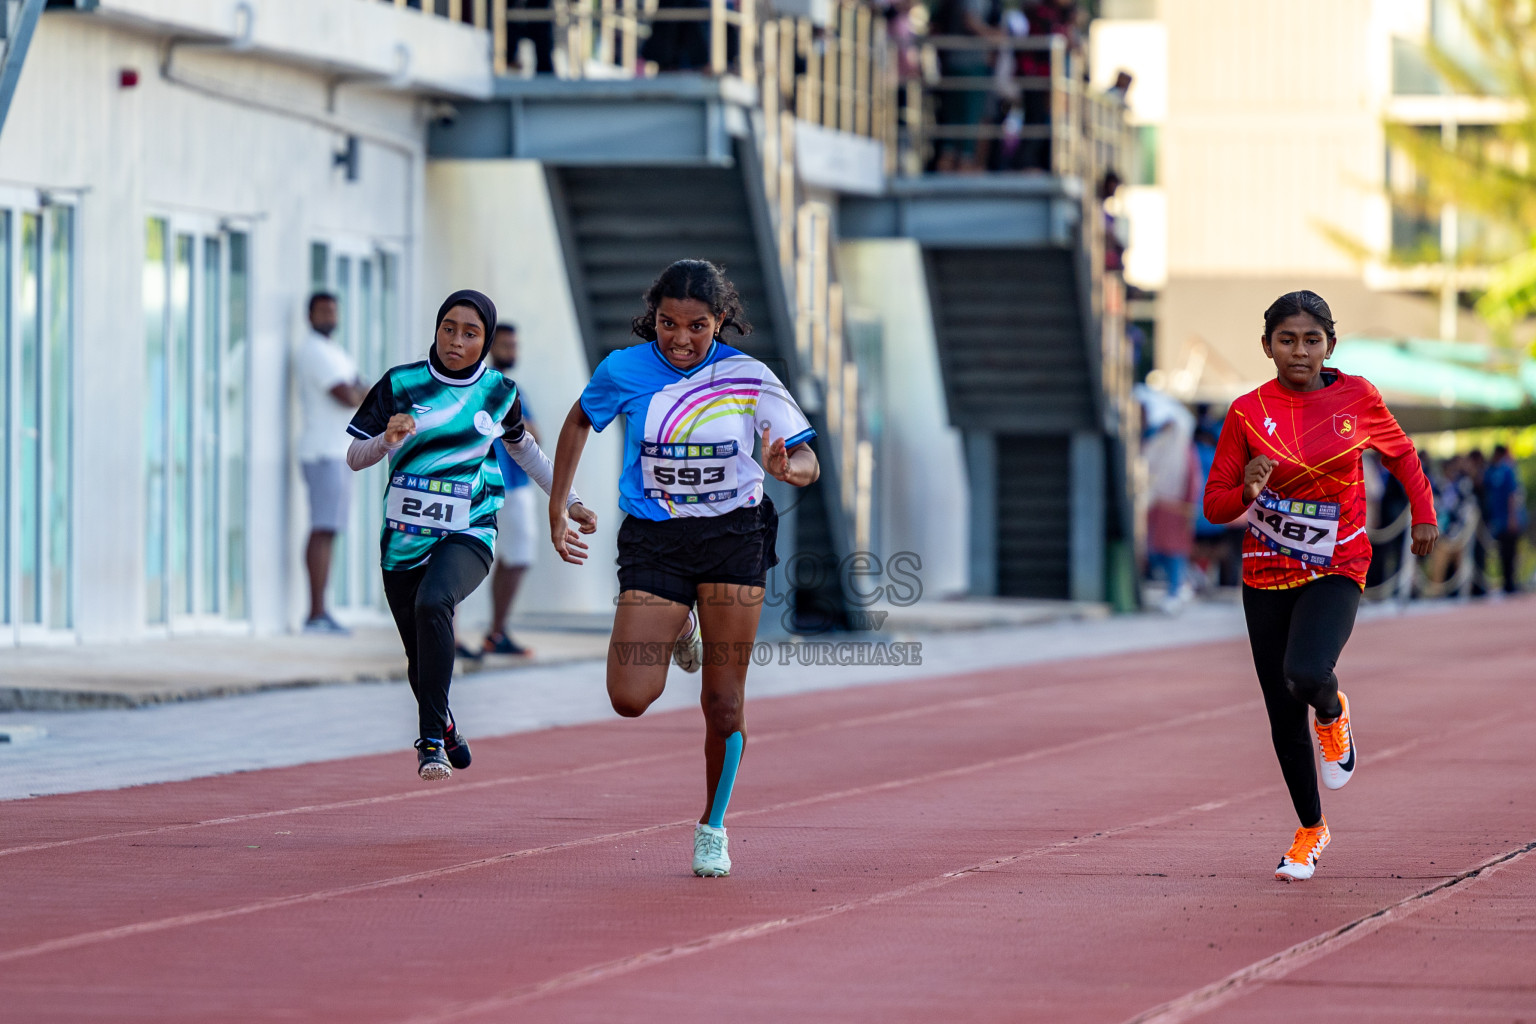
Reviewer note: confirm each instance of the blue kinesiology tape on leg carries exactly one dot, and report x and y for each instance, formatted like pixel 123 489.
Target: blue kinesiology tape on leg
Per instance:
pixel 727 781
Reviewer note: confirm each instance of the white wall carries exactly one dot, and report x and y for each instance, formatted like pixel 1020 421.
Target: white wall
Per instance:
pixel 162 148
pixel 490 226
pixel 923 500
pixel 349 36
pixel 1262 150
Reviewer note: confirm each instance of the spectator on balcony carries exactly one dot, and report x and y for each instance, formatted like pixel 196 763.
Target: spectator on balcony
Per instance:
pixel 1114 227
pixel 963 103
pixel 541 34
pixel 1046 19
pixel 902 32
pixel 685 45
pixel 678 45
pixel 1122 87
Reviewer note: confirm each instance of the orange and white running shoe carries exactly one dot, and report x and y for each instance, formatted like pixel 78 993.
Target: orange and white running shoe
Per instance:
pixel 1337 743
pixel 1301 859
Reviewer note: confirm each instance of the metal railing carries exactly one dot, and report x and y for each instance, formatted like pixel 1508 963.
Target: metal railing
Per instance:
pixel 841 75
pixel 1083 129
pixel 1451 570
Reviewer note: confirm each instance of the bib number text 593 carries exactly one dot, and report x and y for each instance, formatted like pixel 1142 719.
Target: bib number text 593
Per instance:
pixel 688 476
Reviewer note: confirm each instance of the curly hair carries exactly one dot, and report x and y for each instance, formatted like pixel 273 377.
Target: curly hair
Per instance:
pixel 702 281
pixel 1291 303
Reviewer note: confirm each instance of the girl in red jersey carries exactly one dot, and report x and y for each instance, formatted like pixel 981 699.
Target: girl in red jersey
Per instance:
pixel 1288 464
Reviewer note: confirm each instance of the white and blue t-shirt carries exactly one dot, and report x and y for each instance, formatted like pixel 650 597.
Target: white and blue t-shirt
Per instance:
pixel 689 433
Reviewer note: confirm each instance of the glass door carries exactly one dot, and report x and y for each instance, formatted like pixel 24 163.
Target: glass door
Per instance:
pixel 365 281
pixel 37 295
pixel 195 423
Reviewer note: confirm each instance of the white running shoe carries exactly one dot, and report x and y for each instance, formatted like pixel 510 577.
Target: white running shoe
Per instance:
pixel 1301 859
pixel 1336 741
pixel 688 651
pixel 711 856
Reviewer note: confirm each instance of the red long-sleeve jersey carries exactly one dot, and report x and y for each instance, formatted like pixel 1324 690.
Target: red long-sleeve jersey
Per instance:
pixel 1310 519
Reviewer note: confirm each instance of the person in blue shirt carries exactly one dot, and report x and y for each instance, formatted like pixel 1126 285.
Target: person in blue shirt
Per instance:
pixel 699 532
pixel 1504 513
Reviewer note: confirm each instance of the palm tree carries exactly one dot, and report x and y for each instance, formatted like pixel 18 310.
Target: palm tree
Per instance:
pixel 1490 173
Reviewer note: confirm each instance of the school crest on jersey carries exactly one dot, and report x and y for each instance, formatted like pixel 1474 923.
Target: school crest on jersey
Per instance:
pixel 1345 425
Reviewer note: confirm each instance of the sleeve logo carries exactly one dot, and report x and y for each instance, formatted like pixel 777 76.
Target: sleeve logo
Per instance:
pixel 485 423
pixel 1344 424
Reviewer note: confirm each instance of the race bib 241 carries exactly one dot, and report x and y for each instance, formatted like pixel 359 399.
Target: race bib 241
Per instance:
pixel 422 505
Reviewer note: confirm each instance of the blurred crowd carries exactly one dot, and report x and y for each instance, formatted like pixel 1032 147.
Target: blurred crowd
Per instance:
pixel 1482 499
pixel 999 89
pixel 992 91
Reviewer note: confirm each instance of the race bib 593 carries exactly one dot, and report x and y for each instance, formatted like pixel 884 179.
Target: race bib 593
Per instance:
pixel 1304 530
pixel 688 474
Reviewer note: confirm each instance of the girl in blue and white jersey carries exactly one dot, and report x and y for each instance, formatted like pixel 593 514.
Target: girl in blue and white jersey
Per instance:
pixel 699 532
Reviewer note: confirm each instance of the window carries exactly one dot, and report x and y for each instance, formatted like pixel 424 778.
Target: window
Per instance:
pixel 1146 155
pixel 366 282
pixel 1418 217
pixel 196 344
pixel 36 407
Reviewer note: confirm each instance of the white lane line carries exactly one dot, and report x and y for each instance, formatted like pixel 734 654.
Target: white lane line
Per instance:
pixel 624 965
pixel 272 903
pixel 1203 1000
pixel 457 788
pixel 593 973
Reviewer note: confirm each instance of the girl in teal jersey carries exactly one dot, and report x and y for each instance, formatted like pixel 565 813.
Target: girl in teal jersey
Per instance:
pixel 438 421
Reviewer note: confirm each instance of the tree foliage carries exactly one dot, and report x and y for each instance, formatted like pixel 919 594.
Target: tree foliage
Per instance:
pixel 1489 173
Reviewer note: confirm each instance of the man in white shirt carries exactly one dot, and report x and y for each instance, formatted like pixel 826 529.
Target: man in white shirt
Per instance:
pixel 329 393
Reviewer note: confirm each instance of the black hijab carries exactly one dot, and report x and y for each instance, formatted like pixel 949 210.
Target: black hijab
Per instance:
pixel 482 305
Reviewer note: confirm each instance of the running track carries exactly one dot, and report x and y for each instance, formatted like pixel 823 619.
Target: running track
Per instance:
pixel 1084 841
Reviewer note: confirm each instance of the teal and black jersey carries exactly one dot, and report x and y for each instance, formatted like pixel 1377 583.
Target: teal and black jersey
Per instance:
pixel 445 479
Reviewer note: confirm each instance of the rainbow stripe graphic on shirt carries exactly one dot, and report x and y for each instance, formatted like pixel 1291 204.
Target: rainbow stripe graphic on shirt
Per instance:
pixel 695 409
pixel 735 396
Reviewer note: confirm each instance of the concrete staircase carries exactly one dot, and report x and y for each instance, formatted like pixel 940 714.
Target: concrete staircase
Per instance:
pixel 1011 345
pixel 621 226
pixel 624 225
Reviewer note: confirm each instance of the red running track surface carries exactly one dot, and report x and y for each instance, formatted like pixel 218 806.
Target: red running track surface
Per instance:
pixel 1083 841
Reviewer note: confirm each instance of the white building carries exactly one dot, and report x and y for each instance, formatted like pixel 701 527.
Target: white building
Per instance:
pixel 175 177
pixel 1263 144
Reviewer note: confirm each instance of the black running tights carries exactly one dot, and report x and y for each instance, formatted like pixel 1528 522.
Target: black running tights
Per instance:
pixel 1296 636
pixel 422 601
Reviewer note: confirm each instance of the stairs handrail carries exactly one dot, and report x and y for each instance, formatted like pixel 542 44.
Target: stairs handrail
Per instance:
pixel 13 49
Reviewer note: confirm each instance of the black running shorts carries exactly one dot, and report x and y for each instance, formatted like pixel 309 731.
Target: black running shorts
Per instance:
pixel 671 558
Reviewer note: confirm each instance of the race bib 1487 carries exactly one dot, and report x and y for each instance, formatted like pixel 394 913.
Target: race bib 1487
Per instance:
pixel 1304 530
pixel 422 505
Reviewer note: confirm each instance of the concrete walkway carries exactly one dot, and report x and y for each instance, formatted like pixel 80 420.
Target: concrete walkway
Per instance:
pixel 193 668
pixel 113 747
